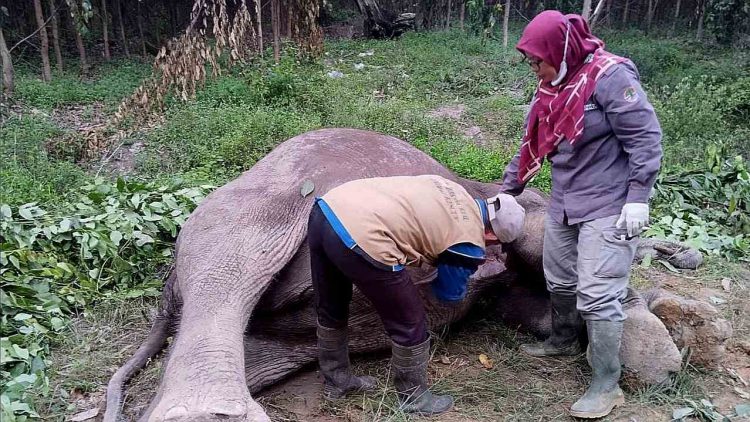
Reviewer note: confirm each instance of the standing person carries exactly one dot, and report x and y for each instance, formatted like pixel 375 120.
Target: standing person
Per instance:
pixel 592 121
pixel 365 232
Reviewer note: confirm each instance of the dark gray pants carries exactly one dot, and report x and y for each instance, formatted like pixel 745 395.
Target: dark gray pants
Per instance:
pixel 335 268
pixel 592 261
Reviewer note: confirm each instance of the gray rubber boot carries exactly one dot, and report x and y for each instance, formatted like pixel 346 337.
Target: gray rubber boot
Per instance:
pixel 566 323
pixel 409 365
pixel 604 393
pixel 333 357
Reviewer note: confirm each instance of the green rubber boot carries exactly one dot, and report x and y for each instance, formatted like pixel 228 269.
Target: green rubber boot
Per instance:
pixel 604 393
pixel 566 323
pixel 333 357
pixel 409 365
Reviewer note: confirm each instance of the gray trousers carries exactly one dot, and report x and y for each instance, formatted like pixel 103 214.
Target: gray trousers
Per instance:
pixel 592 261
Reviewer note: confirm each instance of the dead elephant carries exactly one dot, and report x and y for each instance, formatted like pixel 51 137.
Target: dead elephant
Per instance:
pixel 240 295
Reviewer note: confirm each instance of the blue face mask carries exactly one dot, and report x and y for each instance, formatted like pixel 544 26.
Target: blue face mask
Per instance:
pixel 453 278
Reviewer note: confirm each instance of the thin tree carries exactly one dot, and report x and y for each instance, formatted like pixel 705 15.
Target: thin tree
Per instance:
pixel 123 39
pixel 448 15
pixel 259 31
pixel 462 14
pixel 140 29
pixel 76 23
pixel 676 17
pixel 289 19
pixel 105 29
pixel 586 12
pixel 56 35
pixel 44 40
pixel 7 61
pixel 701 15
pixel 275 28
pixel 650 13
pixel 625 13
pixel 506 18
pixel 608 17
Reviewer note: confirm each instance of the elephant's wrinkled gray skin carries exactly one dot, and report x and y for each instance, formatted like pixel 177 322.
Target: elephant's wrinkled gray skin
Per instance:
pixel 240 293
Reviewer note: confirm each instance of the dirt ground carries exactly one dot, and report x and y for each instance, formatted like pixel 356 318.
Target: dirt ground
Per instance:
pixel 514 388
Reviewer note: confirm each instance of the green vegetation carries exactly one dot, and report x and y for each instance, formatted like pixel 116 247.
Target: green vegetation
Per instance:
pixel 68 240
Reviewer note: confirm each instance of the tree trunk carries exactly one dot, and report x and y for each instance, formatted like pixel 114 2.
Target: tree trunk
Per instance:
pixel 701 16
pixel 44 41
pixel 609 13
pixel 123 38
pixel 105 29
pixel 140 29
pixel 56 35
pixel 289 18
pixel 625 13
pixel 75 24
pixel 586 12
pixel 506 18
pixel 597 12
pixel 462 14
pixel 381 22
pixel 676 17
pixel 275 28
pixel 650 14
pixel 7 61
pixel 259 31
pixel 448 15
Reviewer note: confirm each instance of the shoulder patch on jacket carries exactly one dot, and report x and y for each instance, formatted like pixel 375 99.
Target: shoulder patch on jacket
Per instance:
pixel 630 94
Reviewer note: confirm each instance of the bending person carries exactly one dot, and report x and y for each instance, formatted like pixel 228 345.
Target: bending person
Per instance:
pixel 592 121
pixel 364 233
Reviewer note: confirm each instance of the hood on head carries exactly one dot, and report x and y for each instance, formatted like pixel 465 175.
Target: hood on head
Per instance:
pixel 544 38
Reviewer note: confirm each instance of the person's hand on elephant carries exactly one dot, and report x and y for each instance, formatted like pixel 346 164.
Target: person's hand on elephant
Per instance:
pixel 634 218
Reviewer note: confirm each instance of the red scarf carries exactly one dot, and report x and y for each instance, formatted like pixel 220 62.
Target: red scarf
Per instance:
pixel 557 112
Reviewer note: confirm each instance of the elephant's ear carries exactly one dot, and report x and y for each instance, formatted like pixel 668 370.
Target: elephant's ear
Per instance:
pixel 307 188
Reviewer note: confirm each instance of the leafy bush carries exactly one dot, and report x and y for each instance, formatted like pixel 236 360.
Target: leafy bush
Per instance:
pixel 700 111
pixel 111 84
pixel 112 239
pixel 710 209
pixel 26 171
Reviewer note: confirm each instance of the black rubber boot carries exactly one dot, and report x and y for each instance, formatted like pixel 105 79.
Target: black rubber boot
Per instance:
pixel 333 357
pixel 566 324
pixel 604 393
pixel 410 377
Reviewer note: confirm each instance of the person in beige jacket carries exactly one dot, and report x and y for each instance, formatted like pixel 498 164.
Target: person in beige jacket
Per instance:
pixel 364 233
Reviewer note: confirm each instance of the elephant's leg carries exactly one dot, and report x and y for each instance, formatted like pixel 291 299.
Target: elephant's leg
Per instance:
pixel 204 377
pixel 647 352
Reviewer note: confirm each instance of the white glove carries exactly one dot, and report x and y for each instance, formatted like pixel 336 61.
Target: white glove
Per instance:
pixel 634 217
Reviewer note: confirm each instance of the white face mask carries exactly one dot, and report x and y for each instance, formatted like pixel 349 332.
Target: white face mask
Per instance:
pixel 564 65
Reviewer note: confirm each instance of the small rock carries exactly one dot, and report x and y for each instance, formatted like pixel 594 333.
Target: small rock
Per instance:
pixel 359 66
pixel 84 416
pixel 444 360
pixel 367 53
pixel 717 300
pixel 726 283
pixel 473 131
pixel 335 74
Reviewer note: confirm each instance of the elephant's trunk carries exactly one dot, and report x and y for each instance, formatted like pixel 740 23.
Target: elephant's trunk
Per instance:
pixel 204 376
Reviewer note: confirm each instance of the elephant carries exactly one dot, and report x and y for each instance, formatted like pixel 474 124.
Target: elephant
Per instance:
pixel 239 298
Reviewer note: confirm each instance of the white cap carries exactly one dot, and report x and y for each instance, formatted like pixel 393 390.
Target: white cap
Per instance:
pixel 506 217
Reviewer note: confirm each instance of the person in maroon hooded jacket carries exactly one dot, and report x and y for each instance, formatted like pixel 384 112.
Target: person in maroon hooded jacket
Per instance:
pixel 592 121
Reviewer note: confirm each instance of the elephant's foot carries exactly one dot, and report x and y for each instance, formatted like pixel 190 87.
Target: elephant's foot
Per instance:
pixel 647 352
pixel 208 408
pixel 692 323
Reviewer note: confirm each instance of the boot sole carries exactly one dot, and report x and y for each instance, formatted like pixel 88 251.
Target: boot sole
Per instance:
pixel 595 415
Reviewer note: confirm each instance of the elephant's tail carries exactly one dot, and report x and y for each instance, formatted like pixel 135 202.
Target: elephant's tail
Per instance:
pixel 157 338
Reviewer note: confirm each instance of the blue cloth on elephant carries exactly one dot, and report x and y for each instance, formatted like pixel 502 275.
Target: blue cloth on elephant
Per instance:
pixel 455 265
